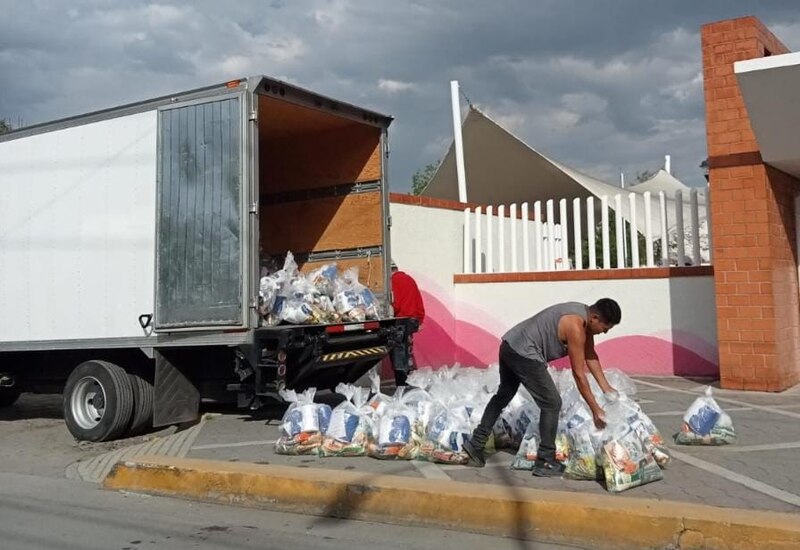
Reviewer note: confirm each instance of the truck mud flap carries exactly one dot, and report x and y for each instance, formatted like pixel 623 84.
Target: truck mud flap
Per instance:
pixel 177 399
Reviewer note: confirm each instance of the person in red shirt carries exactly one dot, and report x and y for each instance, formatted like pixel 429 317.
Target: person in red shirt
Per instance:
pixel 406 302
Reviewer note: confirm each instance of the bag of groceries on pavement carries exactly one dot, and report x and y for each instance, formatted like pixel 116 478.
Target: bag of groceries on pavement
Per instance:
pixel 526 454
pixel 624 457
pixel 303 424
pixel 705 423
pixel 585 441
pixel 350 424
pixel 444 439
pixel 642 425
pixel 393 432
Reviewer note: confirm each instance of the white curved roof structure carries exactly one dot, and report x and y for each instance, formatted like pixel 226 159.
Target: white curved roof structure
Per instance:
pixel 502 169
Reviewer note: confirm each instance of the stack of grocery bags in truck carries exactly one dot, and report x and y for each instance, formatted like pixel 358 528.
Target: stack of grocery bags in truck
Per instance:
pixel 322 296
pixel 430 419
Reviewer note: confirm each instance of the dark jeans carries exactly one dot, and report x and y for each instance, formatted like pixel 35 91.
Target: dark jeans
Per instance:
pixel 516 370
pixel 402 356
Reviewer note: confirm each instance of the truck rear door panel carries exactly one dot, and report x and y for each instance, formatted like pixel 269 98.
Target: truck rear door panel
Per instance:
pixel 199 257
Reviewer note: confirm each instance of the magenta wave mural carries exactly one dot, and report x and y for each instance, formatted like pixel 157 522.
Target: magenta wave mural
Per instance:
pixel 445 340
pixel 651 356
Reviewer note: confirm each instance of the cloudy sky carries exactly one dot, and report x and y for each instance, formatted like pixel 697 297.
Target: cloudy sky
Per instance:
pixel 603 86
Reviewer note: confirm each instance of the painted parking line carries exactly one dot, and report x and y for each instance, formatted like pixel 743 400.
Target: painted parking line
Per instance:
pixel 458 467
pixel 748 482
pixel 766 408
pixel 231 445
pixel 767 447
pixel 430 471
pixel 683 411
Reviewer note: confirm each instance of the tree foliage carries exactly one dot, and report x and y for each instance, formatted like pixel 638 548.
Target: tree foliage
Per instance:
pixel 612 244
pixel 5 126
pixel 422 177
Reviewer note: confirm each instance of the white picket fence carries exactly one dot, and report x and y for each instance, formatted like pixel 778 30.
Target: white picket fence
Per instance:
pixel 513 239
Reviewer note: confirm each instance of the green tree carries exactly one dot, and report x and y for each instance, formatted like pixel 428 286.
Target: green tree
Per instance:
pixel 612 244
pixel 5 126
pixel 422 177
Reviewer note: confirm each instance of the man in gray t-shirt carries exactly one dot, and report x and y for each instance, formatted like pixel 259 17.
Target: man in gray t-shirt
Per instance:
pixel 555 332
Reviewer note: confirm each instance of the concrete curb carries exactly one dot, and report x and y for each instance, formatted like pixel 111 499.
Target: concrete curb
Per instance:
pixel 599 522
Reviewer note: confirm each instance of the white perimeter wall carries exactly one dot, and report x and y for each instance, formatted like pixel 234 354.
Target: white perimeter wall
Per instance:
pixel 666 321
pixel 77 231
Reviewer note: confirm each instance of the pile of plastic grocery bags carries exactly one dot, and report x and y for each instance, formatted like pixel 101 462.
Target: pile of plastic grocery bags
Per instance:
pixel 427 422
pixel 431 419
pixel 322 296
pixel 629 452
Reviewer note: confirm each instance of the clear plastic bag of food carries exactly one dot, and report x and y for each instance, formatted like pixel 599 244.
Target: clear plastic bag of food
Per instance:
pixel 349 428
pixel 324 279
pixel 625 459
pixel 641 424
pixel 620 381
pixel 705 423
pixel 353 301
pixel 379 400
pixel 584 441
pixel 273 290
pixel 303 424
pixel 526 453
pixel 393 434
pixel 444 440
pixel 425 407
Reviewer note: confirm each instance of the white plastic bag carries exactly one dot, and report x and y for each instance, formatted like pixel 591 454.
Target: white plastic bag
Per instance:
pixel 584 441
pixel 324 279
pixel 620 381
pixel 379 400
pixel 393 434
pixel 705 423
pixel 350 426
pixel 526 454
pixel 625 459
pixel 303 424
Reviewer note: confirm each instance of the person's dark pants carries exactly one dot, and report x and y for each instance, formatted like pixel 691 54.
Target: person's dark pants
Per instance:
pixel 402 356
pixel 516 370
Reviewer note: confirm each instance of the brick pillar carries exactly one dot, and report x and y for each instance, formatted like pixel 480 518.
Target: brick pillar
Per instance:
pixel 753 223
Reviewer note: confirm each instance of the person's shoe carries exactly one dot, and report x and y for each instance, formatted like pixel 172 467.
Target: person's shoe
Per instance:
pixel 545 468
pixel 474 453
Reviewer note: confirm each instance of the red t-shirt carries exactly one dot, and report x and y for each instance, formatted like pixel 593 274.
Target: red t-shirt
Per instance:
pixel 407 300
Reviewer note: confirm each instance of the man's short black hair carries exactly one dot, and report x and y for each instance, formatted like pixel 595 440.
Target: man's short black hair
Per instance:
pixel 609 310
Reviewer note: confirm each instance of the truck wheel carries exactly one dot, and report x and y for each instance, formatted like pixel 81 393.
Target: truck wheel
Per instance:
pixel 143 396
pixel 9 396
pixel 98 401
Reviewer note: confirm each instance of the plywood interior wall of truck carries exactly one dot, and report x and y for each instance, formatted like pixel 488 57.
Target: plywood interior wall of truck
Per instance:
pixel 308 161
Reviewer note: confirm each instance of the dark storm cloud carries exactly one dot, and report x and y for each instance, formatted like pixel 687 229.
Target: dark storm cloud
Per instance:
pixel 602 86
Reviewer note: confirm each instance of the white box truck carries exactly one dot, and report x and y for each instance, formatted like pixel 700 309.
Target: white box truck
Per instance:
pixel 130 246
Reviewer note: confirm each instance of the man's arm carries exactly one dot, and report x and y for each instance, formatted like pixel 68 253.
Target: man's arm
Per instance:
pixel 576 349
pixel 593 363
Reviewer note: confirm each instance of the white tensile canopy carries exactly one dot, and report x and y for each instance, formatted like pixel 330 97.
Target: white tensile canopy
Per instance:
pixel 501 169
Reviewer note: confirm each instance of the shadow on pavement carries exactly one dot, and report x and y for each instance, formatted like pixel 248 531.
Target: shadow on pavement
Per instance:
pixel 30 406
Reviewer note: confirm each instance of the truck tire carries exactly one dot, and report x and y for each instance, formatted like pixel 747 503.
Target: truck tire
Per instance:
pixel 9 396
pixel 98 401
pixel 143 397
